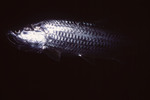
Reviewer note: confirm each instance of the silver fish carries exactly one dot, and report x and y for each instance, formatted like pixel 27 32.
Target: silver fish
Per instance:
pixel 56 37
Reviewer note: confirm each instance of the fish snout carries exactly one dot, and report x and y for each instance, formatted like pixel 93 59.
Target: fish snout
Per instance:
pixel 13 37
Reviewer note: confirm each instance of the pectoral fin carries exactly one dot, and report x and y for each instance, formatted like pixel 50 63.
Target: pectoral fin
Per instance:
pixel 88 59
pixel 53 54
pixel 98 60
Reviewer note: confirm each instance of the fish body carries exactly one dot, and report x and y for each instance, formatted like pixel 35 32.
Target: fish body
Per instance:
pixel 70 37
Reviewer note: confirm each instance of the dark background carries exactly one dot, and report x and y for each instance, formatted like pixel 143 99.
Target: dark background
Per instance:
pixel 25 75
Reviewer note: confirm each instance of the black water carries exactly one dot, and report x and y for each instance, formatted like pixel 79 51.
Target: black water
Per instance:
pixel 26 75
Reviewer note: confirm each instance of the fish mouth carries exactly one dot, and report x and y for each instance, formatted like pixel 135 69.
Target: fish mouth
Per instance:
pixel 13 38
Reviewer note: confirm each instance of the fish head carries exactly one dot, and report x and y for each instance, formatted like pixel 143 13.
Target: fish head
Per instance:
pixel 29 37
